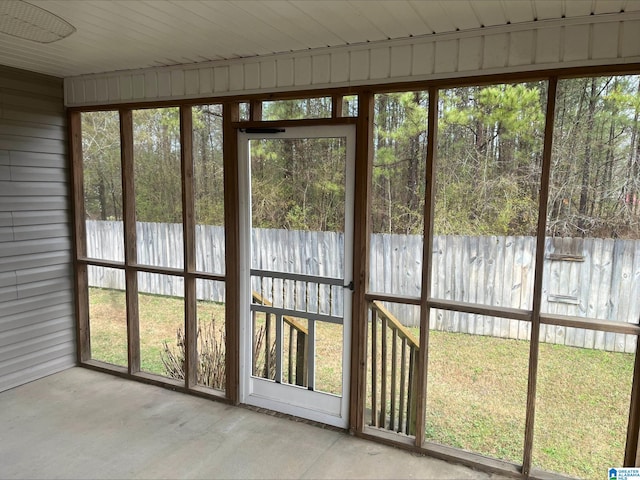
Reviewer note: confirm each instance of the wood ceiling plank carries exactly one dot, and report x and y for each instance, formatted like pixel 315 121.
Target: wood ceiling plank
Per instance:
pixel 578 8
pixel 118 30
pixel 490 12
pixel 105 33
pixel 518 12
pixel 383 18
pixel 169 22
pixel 405 13
pixel 245 32
pixel 236 41
pixel 434 15
pixel 632 6
pixel 463 13
pixel 286 16
pixel 242 17
pixel 609 6
pixel 212 30
pixel 108 32
pixel 347 25
pixel 545 10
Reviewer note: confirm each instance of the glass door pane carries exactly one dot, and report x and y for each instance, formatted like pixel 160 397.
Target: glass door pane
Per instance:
pixel 299 224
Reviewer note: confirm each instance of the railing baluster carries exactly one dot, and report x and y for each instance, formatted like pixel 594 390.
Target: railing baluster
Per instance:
pixel 306 296
pixel 254 350
pixel 330 300
pixel 403 373
pixel 413 405
pixel 410 391
pixel 284 293
pixel 394 354
pixel 261 287
pixel 311 358
pixel 301 347
pixel 290 372
pixel 402 390
pixel 267 347
pixel 383 379
pixel 301 358
pixel 273 291
pixel 278 352
pixel 374 368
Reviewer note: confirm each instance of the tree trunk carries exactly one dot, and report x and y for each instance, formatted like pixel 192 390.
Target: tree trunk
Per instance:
pixel 586 166
pixel 631 192
pixel 414 161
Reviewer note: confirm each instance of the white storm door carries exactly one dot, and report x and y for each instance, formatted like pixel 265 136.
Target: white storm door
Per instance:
pixel 296 204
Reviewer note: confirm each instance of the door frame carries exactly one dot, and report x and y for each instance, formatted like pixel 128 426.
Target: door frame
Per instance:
pixel 295 400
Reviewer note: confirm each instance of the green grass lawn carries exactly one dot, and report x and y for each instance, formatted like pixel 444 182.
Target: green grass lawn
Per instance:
pixel 477 395
pixel 160 319
pixel 476 390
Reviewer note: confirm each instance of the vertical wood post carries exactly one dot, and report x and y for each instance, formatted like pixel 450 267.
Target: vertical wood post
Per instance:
pixel 394 378
pixel 336 106
pixel 374 368
pixel 255 110
pixel 537 282
pixel 230 114
pixel 419 394
pixel 382 422
pixel 130 247
pixel 83 327
pixel 362 206
pixel 267 345
pixel 189 236
pixel 290 376
pixel 301 357
pixel 403 386
pixel 631 454
pixel 412 402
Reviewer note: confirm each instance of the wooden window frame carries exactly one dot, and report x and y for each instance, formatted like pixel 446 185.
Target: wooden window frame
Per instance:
pixel 362 296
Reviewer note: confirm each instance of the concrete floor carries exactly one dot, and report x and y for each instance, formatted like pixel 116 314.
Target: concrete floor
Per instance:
pixel 85 424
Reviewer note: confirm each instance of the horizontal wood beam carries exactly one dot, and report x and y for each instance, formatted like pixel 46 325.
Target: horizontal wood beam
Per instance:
pixel 384 297
pixel 590 324
pixel 305 122
pixel 489 310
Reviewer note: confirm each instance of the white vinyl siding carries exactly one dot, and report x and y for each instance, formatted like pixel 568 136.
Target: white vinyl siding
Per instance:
pixel 37 330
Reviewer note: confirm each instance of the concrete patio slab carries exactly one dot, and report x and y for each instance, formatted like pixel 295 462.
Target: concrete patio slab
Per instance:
pixel 85 424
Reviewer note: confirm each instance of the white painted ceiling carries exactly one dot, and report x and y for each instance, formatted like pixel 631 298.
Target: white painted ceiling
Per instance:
pixel 119 35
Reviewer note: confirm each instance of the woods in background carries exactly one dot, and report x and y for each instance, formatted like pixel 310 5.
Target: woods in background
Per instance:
pixel 489 158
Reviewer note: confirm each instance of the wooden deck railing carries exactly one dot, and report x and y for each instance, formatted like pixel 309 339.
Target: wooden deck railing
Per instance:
pixel 393 387
pixel 296 351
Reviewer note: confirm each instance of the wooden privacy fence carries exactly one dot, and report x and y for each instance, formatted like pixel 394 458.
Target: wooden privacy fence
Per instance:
pixel 591 277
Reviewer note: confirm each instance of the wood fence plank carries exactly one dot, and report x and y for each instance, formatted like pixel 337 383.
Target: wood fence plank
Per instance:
pixel 456 288
pixel 603 287
pixel 596 275
pixel 622 264
pixel 507 285
pixel 634 307
pixel 490 285
pixel 604 297
pixel 449 279
pixel 472 261
pixel 465 282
